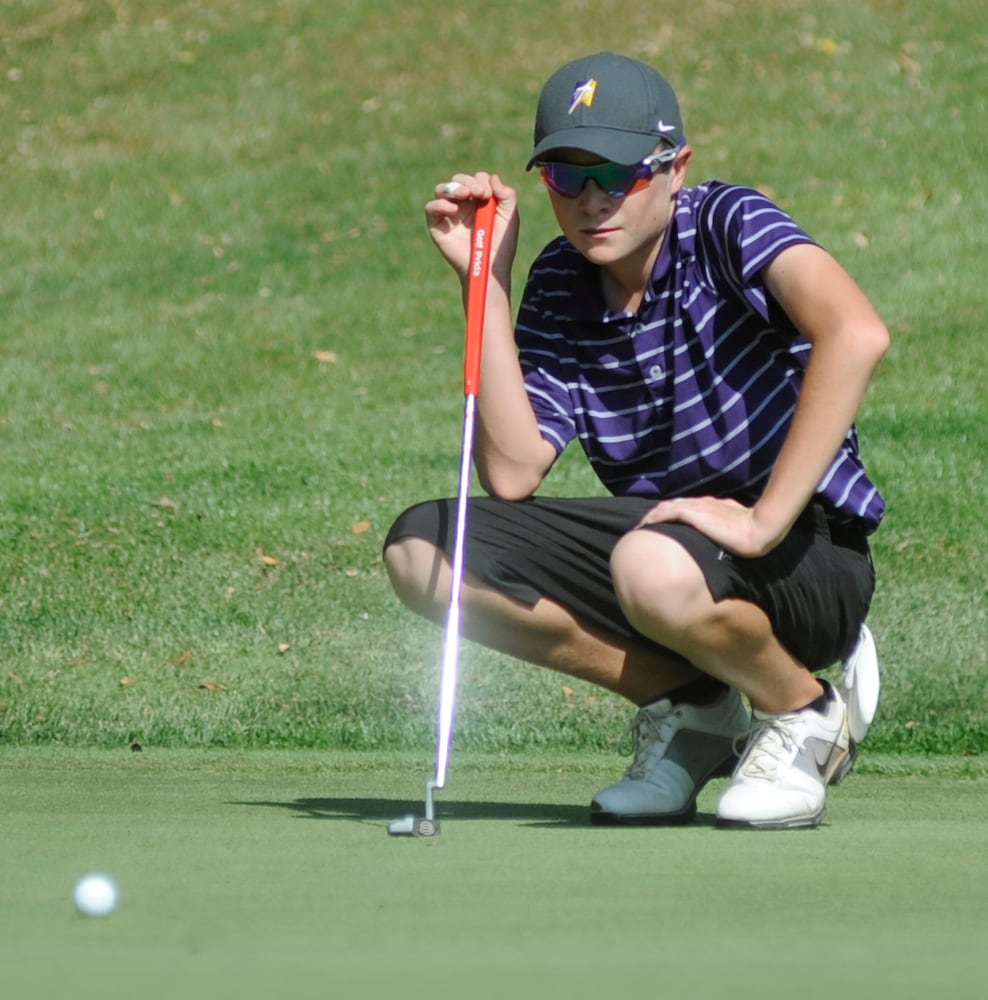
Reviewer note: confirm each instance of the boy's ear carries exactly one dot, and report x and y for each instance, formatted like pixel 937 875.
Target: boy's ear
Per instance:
pixel 680 166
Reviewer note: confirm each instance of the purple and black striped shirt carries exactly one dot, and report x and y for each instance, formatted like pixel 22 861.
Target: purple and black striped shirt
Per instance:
pixel 694 394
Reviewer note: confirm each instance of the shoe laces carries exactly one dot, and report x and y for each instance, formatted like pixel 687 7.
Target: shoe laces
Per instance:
pixel 648 732
pixel 765 747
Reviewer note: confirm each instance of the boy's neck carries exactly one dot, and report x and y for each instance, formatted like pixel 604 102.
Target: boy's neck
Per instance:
pixel 618 298
pixel 624 282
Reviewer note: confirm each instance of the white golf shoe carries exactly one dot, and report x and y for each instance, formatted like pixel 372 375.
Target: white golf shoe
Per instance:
pixel 677 750
pixel 781 781
pixel 860 685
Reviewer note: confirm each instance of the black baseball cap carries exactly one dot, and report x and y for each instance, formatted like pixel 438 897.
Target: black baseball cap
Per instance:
pixel 609 105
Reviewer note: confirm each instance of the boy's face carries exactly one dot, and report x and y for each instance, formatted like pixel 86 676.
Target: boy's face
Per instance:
pixel 610 231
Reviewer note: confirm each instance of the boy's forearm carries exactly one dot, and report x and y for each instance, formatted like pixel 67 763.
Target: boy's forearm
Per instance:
pixel 848 340
pixel 833 390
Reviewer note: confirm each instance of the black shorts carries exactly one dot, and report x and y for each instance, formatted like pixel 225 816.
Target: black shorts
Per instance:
pixel 815 586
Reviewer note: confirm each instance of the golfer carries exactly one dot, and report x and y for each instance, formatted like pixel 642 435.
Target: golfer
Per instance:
pixel 710 359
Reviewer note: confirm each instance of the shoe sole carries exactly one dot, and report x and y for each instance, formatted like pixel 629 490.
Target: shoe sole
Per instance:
pixel 646 819
pixel 798 823
pixel 681 818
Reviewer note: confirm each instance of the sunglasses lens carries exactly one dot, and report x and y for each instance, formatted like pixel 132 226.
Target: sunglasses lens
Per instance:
pixel 569 180
pixel 564 179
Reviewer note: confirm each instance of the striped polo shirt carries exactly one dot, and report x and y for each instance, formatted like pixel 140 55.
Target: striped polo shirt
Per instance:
pixel 693 394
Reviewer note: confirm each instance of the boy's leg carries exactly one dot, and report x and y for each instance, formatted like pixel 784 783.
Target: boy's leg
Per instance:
pixel 678 745
pixel 687 730
pixel 801 741
pixel 545 634
pixel 665 596
pixel 695 604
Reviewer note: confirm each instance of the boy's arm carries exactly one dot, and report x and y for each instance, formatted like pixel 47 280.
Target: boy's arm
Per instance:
pixel 848 339
pixel 511 456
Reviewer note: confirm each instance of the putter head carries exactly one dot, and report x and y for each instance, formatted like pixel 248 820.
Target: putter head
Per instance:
pixel 413 826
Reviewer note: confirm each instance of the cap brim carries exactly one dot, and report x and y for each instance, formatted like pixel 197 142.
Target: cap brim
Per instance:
pixel 607 143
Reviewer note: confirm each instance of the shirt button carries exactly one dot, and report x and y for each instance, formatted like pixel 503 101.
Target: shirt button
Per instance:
pixel 655 372
pixel 637 329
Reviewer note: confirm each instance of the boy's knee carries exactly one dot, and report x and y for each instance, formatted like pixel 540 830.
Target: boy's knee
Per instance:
pixel 415 569
pixel 658 583
pixel 400 561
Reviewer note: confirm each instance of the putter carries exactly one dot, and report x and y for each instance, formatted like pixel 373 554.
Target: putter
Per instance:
pixel 480 251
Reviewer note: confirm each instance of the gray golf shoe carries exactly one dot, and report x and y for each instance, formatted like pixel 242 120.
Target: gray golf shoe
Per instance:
pixel 677 750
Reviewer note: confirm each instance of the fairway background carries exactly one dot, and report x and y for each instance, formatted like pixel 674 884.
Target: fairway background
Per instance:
pixel 230 357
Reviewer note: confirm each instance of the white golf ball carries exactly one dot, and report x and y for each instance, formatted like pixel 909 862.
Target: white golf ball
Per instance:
pixel 95 895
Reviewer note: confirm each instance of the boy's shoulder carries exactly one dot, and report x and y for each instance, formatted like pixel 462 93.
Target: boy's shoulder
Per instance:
pixel 732 231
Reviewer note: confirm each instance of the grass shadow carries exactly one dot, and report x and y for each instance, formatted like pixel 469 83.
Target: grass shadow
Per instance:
pixel 370 810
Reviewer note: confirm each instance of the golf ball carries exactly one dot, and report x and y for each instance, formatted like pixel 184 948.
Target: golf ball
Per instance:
pixel 95 895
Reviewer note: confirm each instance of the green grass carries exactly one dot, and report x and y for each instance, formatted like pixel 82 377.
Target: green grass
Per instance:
pixel 229 357
pixel 259 874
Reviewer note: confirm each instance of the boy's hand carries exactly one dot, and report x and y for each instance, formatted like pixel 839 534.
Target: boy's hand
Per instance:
pixel 730 524
pixel 449 217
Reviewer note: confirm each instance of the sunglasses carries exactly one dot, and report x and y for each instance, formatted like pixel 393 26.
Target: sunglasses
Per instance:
pixel 616 179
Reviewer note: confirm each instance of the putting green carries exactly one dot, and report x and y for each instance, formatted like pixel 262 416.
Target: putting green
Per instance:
pixel 271 874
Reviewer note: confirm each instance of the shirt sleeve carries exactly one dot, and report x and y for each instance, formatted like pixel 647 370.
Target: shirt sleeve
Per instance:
pixel 740 232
